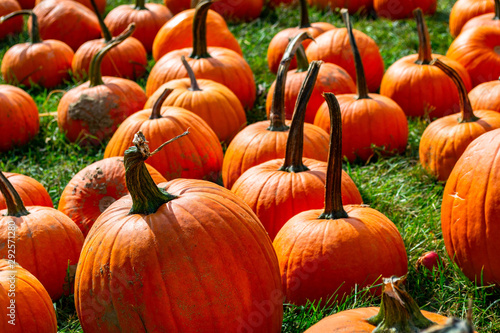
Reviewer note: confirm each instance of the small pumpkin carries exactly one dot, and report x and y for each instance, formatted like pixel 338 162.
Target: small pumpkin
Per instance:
pixel 486 96
pixel 31 192
pixel 44 63
pixel 94 188
pixel 91 112
pixel 464 10
pixel 23 125
pixel 13 26
pixel 148 19
pixel 340 247
pixel 485 19
pixel 40 233
pixel 401 9
pixel 354 6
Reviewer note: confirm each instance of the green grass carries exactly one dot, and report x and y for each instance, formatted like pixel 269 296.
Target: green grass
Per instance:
pixel 397 186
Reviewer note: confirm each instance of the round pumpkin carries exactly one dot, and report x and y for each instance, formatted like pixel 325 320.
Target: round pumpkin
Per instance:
pixel 464 10
pixel 239 10
pixel 94 188
pixel 27 305
pixel 27 4
pixel 14 25
pixel 40 233
pixel 195 224
pixel 101 4
pixel 354 6
pixel 486 96
pixel 177 6
pixel 485 19
pixel 32 193
pixel 471 208
pixel 401 9
pixel 22 112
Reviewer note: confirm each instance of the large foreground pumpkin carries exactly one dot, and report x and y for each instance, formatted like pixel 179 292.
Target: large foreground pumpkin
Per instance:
pixel 195 259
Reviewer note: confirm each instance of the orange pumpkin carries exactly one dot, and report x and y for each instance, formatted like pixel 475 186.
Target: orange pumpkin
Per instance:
pixel 411 81
pixel 330 252
pixel 13 26
pixel 32 193
pixel 486 96
pixel 485 19
pixel 45 63
pixel 401 9
pixel 126 60
pixel 91 112
pixel 27 305
pixel 215 63
pixel 195 224
pixel 54 15
pixel 367 119
pixel 266 140
pixel 239 10
pixel 471 208
pixel 177 33
pixel 177 6
pixel 464 10
pixel 280 41
pixel 445 140
pixel 198 157
pixel 148 18
pixel 40 233
pixel 22 112
pixel 354 6
pixel 95 188
pixel 277 190
pixel 101 4
pixel 27 4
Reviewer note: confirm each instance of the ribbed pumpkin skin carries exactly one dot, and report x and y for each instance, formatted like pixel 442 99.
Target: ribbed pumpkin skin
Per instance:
pixel 333 46
pixel 177 6
pixel 401 9
pixel 22 112
pixel 177 34
pixel 94 189
pixel 34 311
pixel 411 86
pixel 471 209
pixel 239 10
pixel 54 15
pixel 481 20
pixel 98 110
pixel 101 4
pixel 255 145
pixel 215 104
pixel 44 233
pixel 30 190
pixel 464 10
pixel 353 6
pixel 46 64
pixel 280 41
pixel 127 60
pixel 486 96
pixel 378 120
pixel 277 196
pixel 225 67
pixel 477 50
pixel 147 21
pixel 122 275
pixel 331 78
pixel 198 156
pixel 355 321
pixel 445 140
pixel 14 25
pixel 319 258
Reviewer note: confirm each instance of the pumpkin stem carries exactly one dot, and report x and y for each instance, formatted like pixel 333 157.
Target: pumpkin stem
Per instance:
pixel 35 31
pixel 360 71
pixel 146 196
pixel 333 187
pixel 497 10
pixel 95 65
pixel 304 15
pixel 277 112
pixel 398 311
pixel 295 142
pixel 192 77
pixel 105 31
pixel 200 30
pixel 302 62
pixel 156 111
pixel 465 106
pixel 140 5
pixel 15 206
pixel 194 3
pixel 424 41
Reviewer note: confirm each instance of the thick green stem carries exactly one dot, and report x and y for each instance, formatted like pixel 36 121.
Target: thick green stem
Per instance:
pixel 304 15
pixel 35 32
pixel 302 62
pixel 15 206
pixel 398 311
pixel 277 112
pixel 156 111
pixel 105 31
pixel 295 142
pixel 192 77
pixel 360 71
pixel 424 47
pixel 333 187
pixel 95 75
pixel 140 5
pixel 200 30
pixel 465 106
